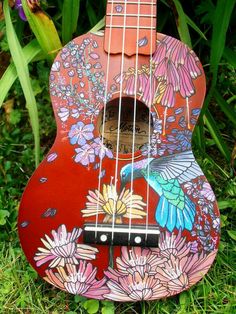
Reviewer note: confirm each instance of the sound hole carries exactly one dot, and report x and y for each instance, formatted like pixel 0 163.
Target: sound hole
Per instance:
pixel 142 121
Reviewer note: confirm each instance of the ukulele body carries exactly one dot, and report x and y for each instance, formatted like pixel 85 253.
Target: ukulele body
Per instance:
pixel 173 213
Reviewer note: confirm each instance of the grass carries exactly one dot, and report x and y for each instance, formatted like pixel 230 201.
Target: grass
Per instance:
pixel 21 291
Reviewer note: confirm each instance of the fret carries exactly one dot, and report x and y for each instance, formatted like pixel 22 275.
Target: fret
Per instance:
pixel 131 27
pixel 132 15
pixel 130 2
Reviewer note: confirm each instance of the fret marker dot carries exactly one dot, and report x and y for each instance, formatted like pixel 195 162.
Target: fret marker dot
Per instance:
pixel 138 240
pixel 119 8
pixel 103 238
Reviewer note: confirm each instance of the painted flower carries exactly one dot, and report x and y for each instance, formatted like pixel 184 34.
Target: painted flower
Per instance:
pixel 207 192
pixel 150 91
pixel 143 78
pixel 216 223
pixel 92 112
pixel 19 7
pixel 182 138
pixel 139 260
pixel 180 274
pixel 185 82
pixel 80 133
pixel 160 52
pixel 111 204
pixel 63 114
pixel 157 125
pixel 62 248
pixel 168 99
pixel 194 247
pixel 172 276
pixel 190 187
pixel 135 288
pixel 130 84
pixel 153 150
pixel 171 244
pixel 191 65
pixel 85 155
pixel 80 280
pixel 100 149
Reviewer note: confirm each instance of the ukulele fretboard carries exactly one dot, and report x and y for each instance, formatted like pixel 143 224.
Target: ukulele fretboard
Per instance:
pixel 130 27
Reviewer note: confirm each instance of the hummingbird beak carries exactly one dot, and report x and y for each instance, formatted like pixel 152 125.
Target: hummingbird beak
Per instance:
pixel 122 185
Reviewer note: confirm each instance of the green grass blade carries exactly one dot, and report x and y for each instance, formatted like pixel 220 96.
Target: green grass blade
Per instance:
pixel 23 74
pixel 182 24
pixel 225 107
pixel 216 135
pixel 98 26
pixel 70 15
pixel 43 29
pixel 230 56
pixel 199 136
pixel 30 51
pixel 91 14
pixel 221 21
pixel 195 27
pixel 220 26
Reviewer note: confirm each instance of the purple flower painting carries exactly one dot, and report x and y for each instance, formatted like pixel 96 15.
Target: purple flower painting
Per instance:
pixel 80 133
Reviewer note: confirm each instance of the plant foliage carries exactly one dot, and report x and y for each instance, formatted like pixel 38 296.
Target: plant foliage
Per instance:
pixel 27 131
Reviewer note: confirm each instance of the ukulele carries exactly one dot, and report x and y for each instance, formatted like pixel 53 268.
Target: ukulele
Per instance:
pixel 119 209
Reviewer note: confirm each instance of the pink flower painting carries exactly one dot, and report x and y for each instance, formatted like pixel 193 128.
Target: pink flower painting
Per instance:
pixel 78 280
pixel 149 274
pixel 63 249
pixel 135 288
pixel 207 192
pixel 172 70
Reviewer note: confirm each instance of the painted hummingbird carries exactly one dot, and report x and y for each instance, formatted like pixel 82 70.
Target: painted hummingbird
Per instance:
pixel 165 175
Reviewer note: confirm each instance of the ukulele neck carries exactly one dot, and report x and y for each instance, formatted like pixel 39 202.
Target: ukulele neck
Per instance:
pixel 130 27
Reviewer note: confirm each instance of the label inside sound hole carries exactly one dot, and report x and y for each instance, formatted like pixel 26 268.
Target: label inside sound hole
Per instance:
pixel 129 128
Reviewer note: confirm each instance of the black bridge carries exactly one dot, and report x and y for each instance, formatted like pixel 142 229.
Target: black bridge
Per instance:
pixel 108 234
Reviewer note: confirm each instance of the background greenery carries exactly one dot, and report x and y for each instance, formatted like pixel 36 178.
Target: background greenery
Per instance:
pixel 27 131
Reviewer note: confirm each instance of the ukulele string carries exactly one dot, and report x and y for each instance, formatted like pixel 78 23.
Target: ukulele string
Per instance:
pixel 119 116
pixel 134 118
pixel 104 117
pixel 149 125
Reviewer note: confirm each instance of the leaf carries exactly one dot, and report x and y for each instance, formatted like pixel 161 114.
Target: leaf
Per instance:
pixel 230 56
pixel 221 21
pixel 232 234
pixel 225 107
pixel 108 307
pixel 30 51
pixel 220 26
pixel 23 74
pixel 91 14
pixel 70 15
pixel 43 29
pixel 207 9
pixel 223 221
pixel 182 24
pixel 3 215
pixel 80 299
pixel 216 135
pixel 195 27
pixel 92 306
pixel 108 310
pixel 224 204
pixel 98 26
